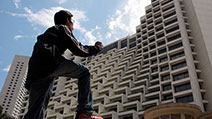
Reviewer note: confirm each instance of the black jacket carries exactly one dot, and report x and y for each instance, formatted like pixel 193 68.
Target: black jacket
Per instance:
pixel 48 51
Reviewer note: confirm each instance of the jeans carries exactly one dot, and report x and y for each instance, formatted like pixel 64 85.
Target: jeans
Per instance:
pixel 41 89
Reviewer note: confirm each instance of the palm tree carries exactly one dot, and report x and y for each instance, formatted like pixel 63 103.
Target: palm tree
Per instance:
pixel 2 115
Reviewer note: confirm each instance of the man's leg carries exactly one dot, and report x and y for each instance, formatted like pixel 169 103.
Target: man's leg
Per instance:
pixel 40 93
pixel 69 68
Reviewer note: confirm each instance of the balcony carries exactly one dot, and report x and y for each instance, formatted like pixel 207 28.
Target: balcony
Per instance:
pixel 172 13
pixel 124 83
pixel 54 115
pixel 172 29
pixel 148 104
pixel 171 21
pixel 165 2
pixel 173 47
pixel 178 65
pixel 133 105
pixel 122 90
pixel 109 115
pixel 168 7
pixel 177 55
pixel 131 114
pixel 138 89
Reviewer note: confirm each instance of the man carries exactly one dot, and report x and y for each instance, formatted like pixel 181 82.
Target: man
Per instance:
pixel 47 63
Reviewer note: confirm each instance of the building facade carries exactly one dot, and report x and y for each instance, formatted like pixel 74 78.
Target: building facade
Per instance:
pixel 176 111
pixel 167 60
pixel 13 91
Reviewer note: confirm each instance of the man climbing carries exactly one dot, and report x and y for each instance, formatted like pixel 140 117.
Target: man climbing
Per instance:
pixel 47 63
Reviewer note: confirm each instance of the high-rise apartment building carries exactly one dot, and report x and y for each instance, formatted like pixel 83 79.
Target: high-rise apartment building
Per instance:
pixel 13 91
pixel 167 60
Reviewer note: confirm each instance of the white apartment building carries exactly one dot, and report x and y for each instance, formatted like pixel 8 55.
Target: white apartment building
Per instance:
pixel 13 91
pixel 167 60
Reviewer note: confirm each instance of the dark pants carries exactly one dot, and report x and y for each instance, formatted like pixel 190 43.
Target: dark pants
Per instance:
pixel 41 90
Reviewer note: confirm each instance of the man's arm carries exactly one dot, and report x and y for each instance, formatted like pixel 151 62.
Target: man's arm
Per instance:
pixel 77 48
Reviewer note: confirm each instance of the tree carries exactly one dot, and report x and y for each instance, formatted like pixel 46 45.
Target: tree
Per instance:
pixel 3 115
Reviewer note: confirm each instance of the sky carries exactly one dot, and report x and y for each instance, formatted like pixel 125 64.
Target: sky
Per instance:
pixel 21 21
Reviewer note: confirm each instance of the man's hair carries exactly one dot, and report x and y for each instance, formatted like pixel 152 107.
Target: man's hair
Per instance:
pixel 61 16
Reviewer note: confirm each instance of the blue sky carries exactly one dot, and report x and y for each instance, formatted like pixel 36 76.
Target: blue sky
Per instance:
pixel 95 20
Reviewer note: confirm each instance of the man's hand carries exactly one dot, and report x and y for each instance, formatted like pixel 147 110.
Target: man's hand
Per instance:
pixel 98 43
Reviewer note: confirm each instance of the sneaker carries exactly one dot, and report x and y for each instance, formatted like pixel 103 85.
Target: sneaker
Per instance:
pixel 85 116
pixel 96 117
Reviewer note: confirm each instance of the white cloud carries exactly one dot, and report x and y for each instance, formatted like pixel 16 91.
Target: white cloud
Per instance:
pixel 16 3
pixel 18 37
pixel 125 20
pixel 45 18
pixel 6 69
pixel 61 1
pixel 90 37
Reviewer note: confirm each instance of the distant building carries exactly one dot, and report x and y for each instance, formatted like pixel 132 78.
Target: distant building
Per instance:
pixel 168 60
pixel 13 91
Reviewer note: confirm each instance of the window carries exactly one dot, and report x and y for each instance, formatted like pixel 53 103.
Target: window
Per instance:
pixel 179 65
pixel 159 28
pixel 154 77
pixel 178 45
pixel 148 11
pixel 164 68
pixel 154 61
pixel 169 15
pixel 183 87
pixel 151 33
pixel 185 99
pixel 154 5
pixel 161 43
pixel 175 56
pixel 158 15
pixel 173 37
pixel 145 50
pixel 144 38
pixel 146 56
pixel 155 69
pixel 158 22
pixel 132 40
pixel 163 59
pixel 168 8
pixel 167 97
pixel 153 54
pixel 151 40
pixel 172 29
pixel 150 27
pixel 170 22
pixel 132 45
pixel 175 116
pixel 152 47
pixel 143 27
pixel 164 117
pixel 167 87
pixel 180 76
pixel 166 2
pixel 187 116
pixel 112 46
pixel 160 35
pixel 165 77
pixel 138 30
pixel 162 51
pixel 150 21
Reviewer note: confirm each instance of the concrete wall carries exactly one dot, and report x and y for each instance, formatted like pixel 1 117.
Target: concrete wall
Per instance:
pixel 199 14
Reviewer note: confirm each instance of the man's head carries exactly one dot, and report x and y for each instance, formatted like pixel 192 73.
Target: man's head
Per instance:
pixel 64 17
